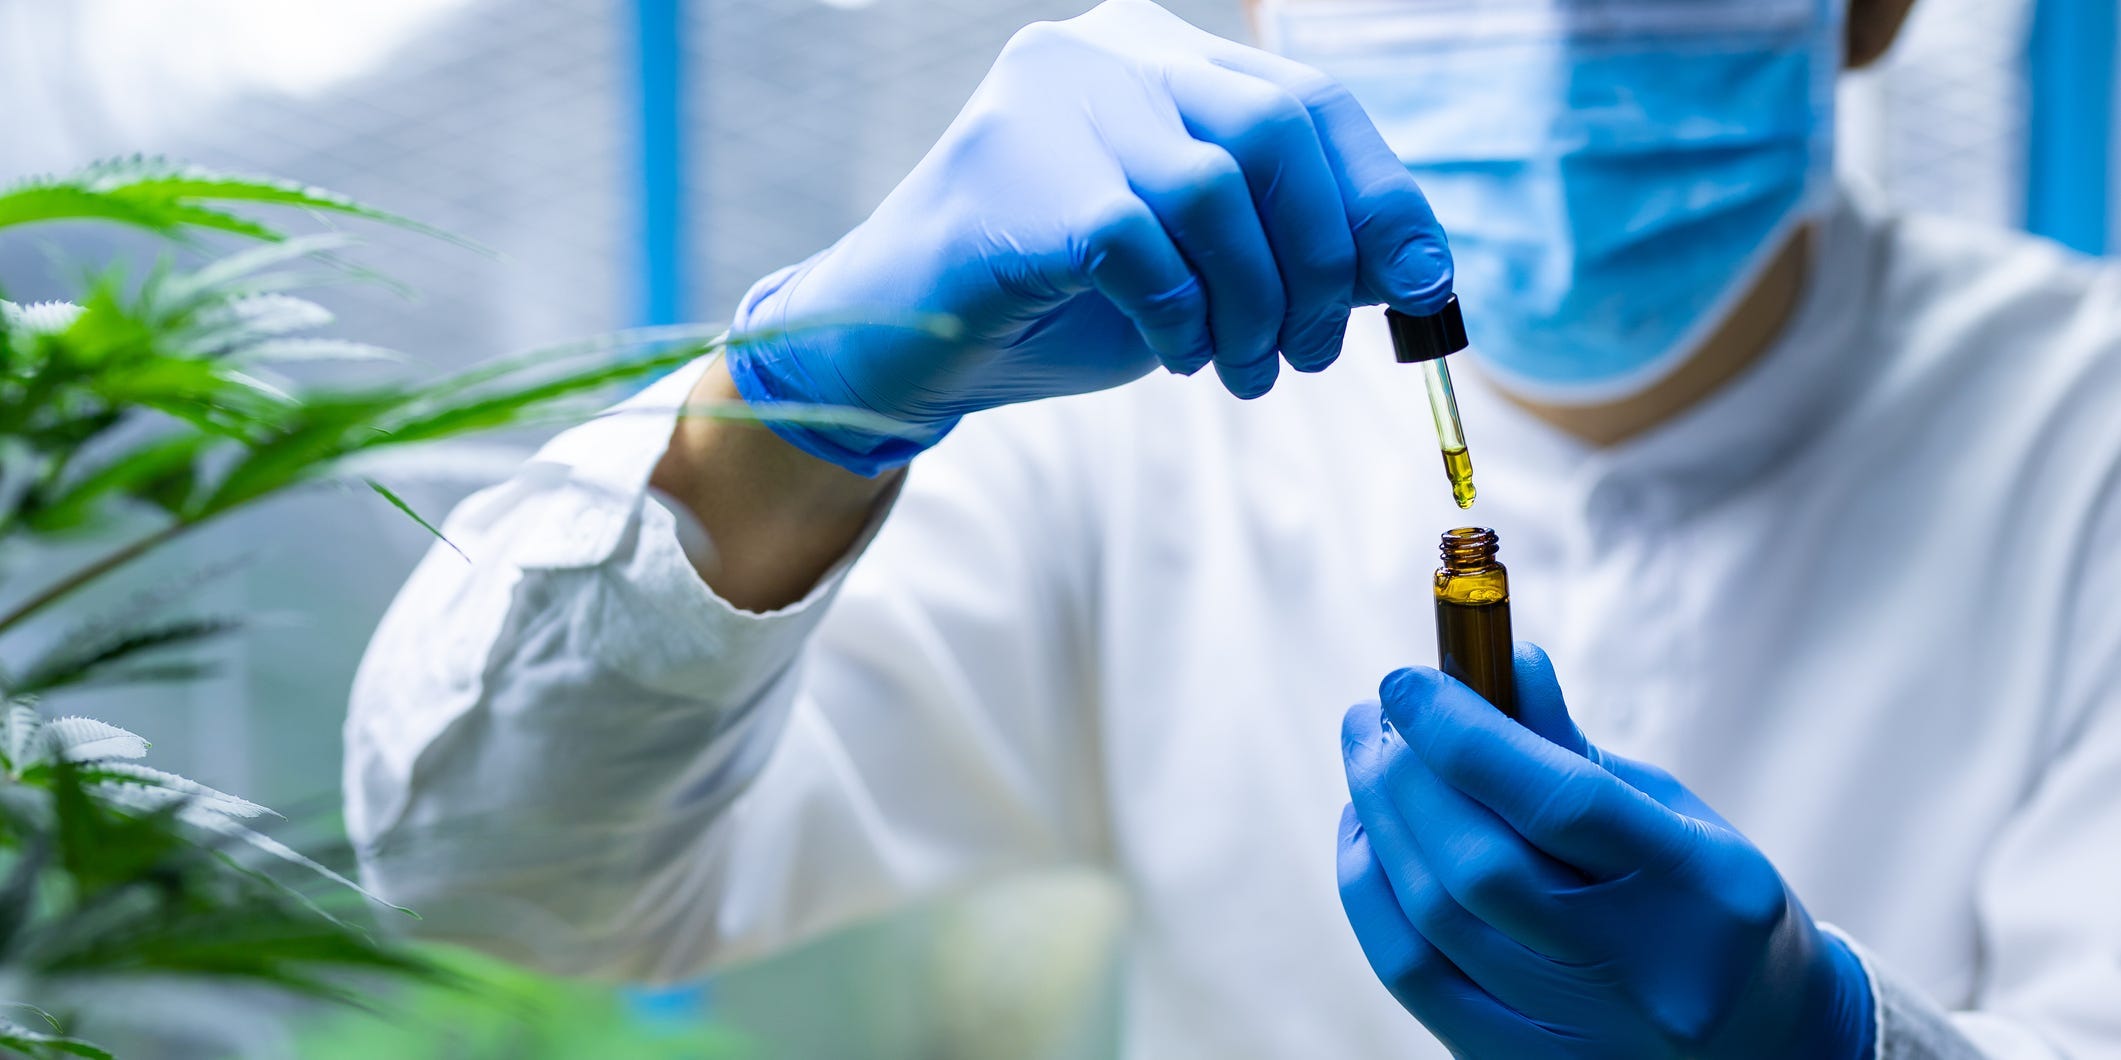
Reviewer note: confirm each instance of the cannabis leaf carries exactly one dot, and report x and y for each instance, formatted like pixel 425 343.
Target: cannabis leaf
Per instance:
pixel 148 405
pixel 171 198
pixel 40 1044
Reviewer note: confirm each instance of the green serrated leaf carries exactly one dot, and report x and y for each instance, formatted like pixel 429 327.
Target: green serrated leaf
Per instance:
pixel 312 350
pixel 128 473
pixel 39 202
pixel 274 847
pixel 493 406
pixel 168 197
pixel 177 671
pixel 157 178
pixel 86 739
pixel 49 1019
pixel 163 789
pixel 227 276
pixel 22 739
pixel 40 1044
pixel 399 503
pixel 39 318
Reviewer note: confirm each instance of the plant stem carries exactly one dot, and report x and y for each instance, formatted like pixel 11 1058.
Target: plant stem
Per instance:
pixel 110 562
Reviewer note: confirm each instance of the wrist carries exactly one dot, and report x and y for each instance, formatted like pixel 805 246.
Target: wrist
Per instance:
pixel 803 489
pixel 785 364
pixel 774 518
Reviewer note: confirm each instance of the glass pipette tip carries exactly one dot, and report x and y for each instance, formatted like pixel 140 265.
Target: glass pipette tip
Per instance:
pixel 1450 433
pixel 1427 340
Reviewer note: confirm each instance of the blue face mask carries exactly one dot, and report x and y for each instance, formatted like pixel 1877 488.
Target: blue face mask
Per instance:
pixel 1613 173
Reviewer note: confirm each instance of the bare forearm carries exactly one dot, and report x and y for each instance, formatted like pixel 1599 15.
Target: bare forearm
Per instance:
pixel 777 517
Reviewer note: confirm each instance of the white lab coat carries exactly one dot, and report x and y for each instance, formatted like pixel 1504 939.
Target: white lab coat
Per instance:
pixel 1866 600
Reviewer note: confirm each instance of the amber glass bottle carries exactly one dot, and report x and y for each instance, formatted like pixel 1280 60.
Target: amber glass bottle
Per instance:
pixel 1473 617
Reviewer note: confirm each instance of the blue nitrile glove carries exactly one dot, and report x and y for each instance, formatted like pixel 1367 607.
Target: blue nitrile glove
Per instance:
pixel 1123 190
pixel 1526 895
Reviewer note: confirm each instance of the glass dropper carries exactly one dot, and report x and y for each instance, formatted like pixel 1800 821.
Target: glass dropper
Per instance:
pixel 1450 433
pixel 1427 340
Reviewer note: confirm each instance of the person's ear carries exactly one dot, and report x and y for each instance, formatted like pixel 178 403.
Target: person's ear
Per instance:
pixel 1873 25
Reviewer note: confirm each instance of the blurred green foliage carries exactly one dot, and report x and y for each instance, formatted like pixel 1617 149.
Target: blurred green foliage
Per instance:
pixel 151 405
pixel 494 1011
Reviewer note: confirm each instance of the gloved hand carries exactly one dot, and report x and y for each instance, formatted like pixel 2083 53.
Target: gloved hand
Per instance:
pixel 1526 895
pixel 1122 190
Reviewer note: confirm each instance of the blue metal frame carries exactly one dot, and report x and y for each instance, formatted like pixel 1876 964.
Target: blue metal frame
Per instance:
pixel 2070 124
pixel 659 57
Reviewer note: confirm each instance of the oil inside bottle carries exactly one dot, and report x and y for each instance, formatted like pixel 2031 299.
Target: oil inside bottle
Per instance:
pixel 1474 644
pixel 1473 639
pixel 1458 465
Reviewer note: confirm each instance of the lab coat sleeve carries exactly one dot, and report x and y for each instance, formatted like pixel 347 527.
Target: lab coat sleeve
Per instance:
pixel 1909 1025
pixel 571 752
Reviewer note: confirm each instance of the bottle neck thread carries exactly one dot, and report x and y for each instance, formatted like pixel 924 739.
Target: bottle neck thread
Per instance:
pixel 1470 549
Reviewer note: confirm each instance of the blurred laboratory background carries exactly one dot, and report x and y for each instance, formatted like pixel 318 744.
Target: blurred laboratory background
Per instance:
pixel 643 161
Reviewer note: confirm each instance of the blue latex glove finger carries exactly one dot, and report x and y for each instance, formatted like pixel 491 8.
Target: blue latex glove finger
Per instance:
pixel 1564 804
pixel 1490 873
pixel 1540 708
pixel 1424 982
pixel 1402 258
pixel 1270 134
pixel 1201 196
pixel 1129 258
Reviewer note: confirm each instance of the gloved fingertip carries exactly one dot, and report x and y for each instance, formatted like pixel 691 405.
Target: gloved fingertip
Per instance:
pixel 1315 348
pixel 1407 687
pixel 1361 727
pixel 1248 381
pixel 1350 825
pixel 1314 363
pixel 1540 705
pixel 1194 361
pixel 1420 277
pixel 1532 663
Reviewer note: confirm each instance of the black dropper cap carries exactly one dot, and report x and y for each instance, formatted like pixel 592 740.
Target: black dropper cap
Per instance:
pixel 1425 338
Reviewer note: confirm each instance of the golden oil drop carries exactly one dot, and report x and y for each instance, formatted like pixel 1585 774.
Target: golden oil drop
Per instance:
pixel 1458 467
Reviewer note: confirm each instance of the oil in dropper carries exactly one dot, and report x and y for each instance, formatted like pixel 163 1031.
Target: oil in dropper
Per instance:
pixel 1450 433
pixel 1427 340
